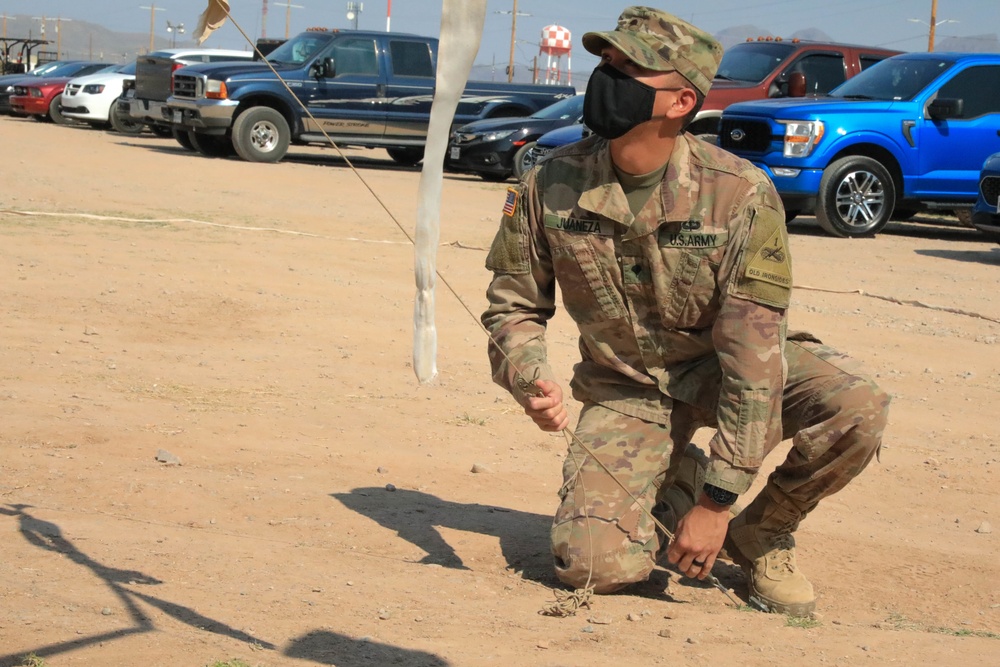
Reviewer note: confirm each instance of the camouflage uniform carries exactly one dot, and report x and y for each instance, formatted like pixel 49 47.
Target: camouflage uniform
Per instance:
pixel 681 313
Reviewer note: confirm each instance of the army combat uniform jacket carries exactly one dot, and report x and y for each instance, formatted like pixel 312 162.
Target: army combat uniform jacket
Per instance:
pixel 684 301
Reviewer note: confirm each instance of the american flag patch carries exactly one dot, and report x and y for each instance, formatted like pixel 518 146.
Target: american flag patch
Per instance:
pixel 511 203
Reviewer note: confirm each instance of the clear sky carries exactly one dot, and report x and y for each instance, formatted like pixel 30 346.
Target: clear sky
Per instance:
pixel 872 22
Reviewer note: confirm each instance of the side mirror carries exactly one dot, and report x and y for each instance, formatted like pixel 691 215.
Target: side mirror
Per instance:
pixel 942 109
pixel 797 84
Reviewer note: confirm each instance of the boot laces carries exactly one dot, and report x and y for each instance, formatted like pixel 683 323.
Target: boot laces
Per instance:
pixel 784 557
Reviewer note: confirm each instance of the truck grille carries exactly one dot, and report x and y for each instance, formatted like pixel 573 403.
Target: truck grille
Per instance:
pixel 990 187
pixel 744 135
pixel 186 86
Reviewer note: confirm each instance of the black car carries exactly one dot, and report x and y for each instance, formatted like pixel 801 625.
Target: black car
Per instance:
pixel 986 214
pixel 497 148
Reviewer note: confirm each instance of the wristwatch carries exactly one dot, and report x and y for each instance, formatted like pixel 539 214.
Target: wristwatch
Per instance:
pixel 719 496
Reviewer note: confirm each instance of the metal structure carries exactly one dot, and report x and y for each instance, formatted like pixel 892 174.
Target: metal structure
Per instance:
pixel 556 42
pixel 354 10
pixel 174 30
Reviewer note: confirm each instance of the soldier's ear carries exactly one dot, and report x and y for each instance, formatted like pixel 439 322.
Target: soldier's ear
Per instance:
pixel 683 103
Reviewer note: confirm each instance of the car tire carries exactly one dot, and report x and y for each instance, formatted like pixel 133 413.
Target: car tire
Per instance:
pixel 55 112
pixel 183 137
pixel 856 197
pixel 211 145
pixel 521 163
pixel 122 123
pixel 261 134
pixel 408 156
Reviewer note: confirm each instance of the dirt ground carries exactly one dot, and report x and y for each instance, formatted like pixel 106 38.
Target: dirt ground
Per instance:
pixel 255 322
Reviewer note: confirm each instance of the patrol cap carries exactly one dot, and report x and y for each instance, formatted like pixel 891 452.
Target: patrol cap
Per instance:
pixel 662 42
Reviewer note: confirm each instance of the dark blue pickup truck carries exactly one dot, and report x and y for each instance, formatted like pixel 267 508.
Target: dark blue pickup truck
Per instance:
pixel 368 89
pixel 905 135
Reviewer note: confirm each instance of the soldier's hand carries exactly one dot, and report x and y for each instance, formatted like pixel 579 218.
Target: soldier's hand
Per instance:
pixel 699 538
pixel 547 410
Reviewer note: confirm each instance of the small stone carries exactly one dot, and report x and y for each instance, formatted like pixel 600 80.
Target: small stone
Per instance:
pixel 588 629
pixel 390 487
pixel 665 633
pixel 984 528
pixel 931 462
pixel 481 468
pixel 106 611
pixel 380 470
pixel 815 616
pixel 384 614
pixel 163 456
pixel 599 619
pixel 542 644
pixel 634 617
pixel 691 640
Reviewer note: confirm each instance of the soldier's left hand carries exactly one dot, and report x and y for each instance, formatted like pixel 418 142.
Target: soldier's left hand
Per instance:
pixel 699 538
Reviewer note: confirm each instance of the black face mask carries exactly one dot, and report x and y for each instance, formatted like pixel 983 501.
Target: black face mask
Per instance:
pixel 615 102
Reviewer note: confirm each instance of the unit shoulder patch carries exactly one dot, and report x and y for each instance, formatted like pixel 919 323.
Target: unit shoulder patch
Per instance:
pixel 770 263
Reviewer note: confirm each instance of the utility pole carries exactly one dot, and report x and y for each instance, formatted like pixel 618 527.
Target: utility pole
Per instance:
pixel 288 14
pixel 932 26
pixel 388 15
pixel 263 20
pixel 513 37
pixel 59 37
pixel 152 22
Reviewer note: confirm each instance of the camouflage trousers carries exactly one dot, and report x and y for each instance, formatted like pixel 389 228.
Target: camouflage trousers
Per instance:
pixel 602 538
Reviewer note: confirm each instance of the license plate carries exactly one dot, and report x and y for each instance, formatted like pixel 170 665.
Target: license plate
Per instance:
pixel 455 152
pixel 178 116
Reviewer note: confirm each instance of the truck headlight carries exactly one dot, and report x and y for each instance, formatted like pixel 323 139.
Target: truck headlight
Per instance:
pixel 498 135
pixel 216 90
pixel 801 137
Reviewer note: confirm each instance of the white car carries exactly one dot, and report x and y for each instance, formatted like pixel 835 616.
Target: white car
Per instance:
pixel 90 98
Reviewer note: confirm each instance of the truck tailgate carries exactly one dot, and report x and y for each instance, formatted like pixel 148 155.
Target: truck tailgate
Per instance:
pixel 152 78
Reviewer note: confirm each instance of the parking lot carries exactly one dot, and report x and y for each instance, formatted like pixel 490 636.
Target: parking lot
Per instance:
pixel 255 322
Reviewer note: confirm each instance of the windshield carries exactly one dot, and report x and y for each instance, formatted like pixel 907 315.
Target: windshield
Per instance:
pixel 299 49
pixel 897 78
pixel 128 69
pixel 42 70
pixel 571 107
pixel 752 61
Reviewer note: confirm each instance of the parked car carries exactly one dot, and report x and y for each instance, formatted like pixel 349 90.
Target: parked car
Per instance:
pixel 986 212
pixel 144 96
pixel 908 134
pixel 42 99
pixel 771 67
pixel 91 98
pixel 553 139
pixel 497 148
pixel 55 68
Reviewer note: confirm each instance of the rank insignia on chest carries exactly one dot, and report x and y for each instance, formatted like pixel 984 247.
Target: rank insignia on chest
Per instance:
pixel 510 204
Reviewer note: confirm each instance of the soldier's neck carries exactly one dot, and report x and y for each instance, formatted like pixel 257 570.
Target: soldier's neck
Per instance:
pixel 641 154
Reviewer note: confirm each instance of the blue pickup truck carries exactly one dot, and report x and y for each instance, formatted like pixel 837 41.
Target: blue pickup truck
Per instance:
pixel 908 134
pixel 368 89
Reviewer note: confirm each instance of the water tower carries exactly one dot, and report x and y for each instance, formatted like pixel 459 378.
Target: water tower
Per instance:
pixel 556 43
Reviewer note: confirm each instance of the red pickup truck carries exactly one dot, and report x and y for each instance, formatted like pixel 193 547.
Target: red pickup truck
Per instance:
pixel 770 67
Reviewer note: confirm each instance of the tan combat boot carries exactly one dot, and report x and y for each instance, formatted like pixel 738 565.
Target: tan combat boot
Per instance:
pixel 760 541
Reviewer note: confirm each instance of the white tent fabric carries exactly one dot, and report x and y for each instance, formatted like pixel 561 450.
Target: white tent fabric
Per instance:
pixel 461 30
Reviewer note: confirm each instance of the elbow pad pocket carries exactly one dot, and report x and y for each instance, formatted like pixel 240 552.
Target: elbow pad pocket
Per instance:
pixel 751 428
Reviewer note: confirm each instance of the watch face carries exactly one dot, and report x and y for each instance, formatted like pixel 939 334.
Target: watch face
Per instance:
pixel 720 496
